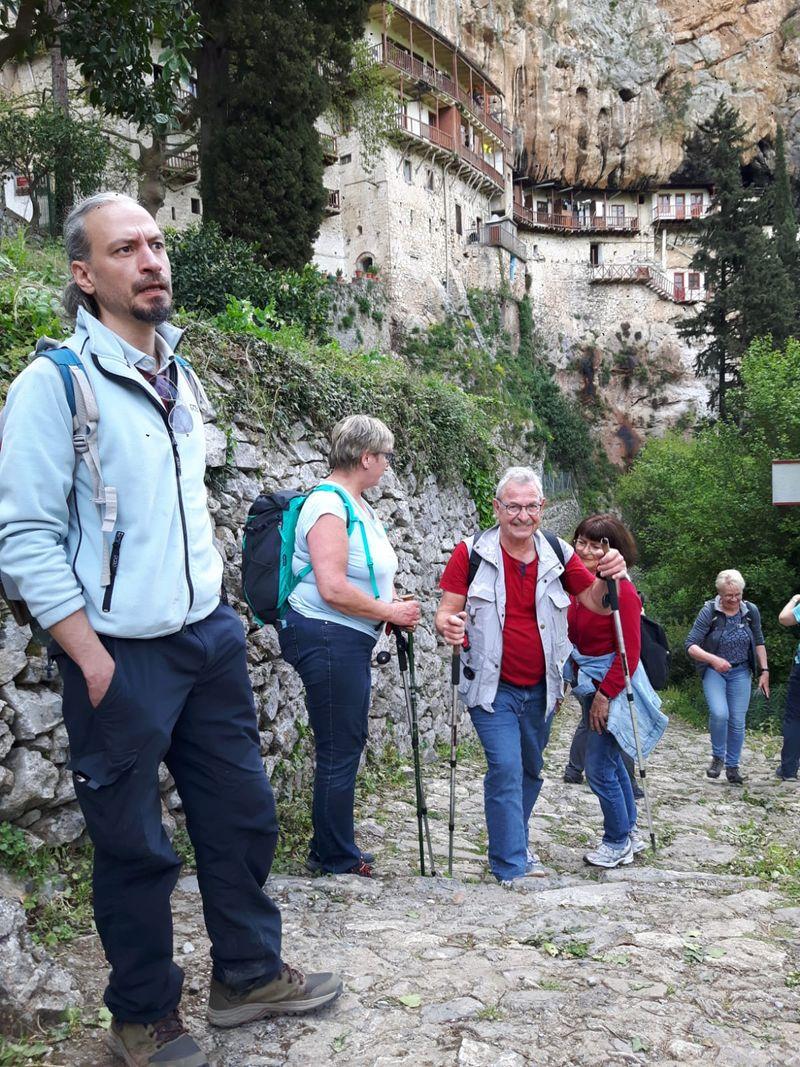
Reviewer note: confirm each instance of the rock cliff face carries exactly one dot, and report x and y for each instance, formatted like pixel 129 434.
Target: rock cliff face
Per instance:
pixel 602 91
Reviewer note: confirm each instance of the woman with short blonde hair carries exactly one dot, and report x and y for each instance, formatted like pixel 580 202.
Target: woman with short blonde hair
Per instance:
pixel 344 597
pixel 727 645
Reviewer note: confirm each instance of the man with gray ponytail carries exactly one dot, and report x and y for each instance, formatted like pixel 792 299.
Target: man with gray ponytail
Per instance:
pixel 114 555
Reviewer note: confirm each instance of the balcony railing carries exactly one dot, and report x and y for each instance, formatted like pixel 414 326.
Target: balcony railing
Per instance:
pixel 502 235
pixel 480 164
pixel 675 213
pixel 568 222
pixel 184 165
pixel 424 131
pixel 652 277
pixel 390 55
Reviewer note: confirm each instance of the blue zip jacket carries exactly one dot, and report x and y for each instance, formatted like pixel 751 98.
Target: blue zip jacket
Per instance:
pixel 169 573
pixel 708 637
pixel 650 719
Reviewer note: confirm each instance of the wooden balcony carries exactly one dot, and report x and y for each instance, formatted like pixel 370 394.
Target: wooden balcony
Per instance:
pixel 389 55
pixel 182 166
pixel 421 131
pixel 685 213
pixel 329 150
pixel 482 166
pixel 333 207
pixel 568 222
pixel 649 275
pixel 501 234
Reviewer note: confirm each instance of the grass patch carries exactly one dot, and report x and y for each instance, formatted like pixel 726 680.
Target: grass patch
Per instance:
pixel 687 701
pixel 771 861
pixel 58 885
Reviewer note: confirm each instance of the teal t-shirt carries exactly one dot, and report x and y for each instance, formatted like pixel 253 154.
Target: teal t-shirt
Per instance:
pixel 306 598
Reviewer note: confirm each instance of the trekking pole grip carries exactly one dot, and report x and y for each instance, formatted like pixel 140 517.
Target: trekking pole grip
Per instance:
pixel 455 666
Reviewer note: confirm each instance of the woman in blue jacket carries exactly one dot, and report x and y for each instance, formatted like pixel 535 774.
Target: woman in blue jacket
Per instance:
pixel 728 646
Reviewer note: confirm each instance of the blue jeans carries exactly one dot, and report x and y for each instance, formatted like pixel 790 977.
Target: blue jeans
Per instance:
pixel 184 699
pixel 514 737
pixel 728 698
pixel 334 662
pixel 609 780
pixel 790 755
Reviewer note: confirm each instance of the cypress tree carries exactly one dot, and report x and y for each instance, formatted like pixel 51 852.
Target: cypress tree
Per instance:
pixel 784 225
pixel 749 292
pixel 263 77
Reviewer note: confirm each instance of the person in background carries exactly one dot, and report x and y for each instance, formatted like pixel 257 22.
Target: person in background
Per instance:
pixel 335 615
pixel 727 644
pixel 790 753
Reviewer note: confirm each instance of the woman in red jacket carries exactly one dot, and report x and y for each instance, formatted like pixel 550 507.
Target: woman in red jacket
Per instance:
pixel 593 635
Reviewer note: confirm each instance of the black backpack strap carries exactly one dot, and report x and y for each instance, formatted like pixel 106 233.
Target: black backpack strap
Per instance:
pixel 555 544
pixel 474 558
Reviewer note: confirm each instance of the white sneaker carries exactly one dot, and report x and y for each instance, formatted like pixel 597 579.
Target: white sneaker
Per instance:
pixel 608 856
pixel 534 868
pixel 638 843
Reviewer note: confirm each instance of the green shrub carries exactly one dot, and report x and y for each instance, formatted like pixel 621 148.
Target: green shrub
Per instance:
pixel 208 269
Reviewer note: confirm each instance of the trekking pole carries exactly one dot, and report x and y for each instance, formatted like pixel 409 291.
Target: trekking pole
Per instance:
pixel 455 673
pixel 405 661
pixel 613 602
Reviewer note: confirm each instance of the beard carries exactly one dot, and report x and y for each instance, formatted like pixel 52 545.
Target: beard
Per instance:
pixel 156 313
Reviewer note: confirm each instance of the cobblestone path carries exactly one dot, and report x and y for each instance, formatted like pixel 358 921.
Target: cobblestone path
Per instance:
pixel 691 956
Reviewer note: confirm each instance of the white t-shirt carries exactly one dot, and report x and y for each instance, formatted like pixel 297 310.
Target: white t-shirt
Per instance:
pixel 306 598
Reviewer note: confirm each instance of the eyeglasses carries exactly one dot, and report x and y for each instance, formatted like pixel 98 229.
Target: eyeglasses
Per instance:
pixel 388 456
pixel 179 416
pixel 517 509
pixel 594 547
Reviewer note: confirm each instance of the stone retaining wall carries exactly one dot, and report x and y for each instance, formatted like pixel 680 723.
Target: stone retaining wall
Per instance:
pixel 424 521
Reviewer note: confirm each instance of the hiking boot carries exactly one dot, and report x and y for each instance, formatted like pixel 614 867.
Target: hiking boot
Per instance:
pixel 638 843
pixel 638 792
pixel 291 993
pixel 714 768
pixel 733 776
pixel 785 777
pixel 534 868
pixel 572 777
pixel 165 1043
pixel 314 865
pixel 610 856
pixel 362 869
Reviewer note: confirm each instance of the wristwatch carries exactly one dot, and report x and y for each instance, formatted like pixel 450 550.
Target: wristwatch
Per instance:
pixel 763 670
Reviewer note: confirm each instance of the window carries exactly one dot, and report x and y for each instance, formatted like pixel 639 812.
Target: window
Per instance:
pixel 428 178
pixel 407 170
pixel 594 255
pixel 694 280
pixel 359 231
pixel 541 206
pixel 459 225
pixel 664 204
pixel 411 217
pixel 173 213
pixel 345 158
pixel 617 211
pixel 196 207
pixel 641 198
pixel 478 222
pixel 158 70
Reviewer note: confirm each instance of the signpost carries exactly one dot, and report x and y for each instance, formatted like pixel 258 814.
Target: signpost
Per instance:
pixel 785 482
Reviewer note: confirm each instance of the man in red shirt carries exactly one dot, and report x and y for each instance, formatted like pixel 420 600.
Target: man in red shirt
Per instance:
pixel 513 612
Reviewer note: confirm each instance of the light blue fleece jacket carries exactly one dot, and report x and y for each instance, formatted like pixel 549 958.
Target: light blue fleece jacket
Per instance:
pixel 169 573
pixel 650 719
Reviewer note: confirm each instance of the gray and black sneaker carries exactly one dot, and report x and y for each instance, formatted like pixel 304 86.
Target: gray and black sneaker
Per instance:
pixel 314 865
pixel 609 856
pixel 165 1043
pixel 714 769
pixel 291 993
pixel 638 843
pixel 733 776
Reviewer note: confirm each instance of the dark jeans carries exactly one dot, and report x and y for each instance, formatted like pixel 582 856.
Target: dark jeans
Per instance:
pixel 184 699
pixel 577 752
pixel 609 780
pixel 334 663
pixel 790 755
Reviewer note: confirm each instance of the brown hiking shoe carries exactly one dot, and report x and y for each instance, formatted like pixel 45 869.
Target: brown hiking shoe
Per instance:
pixel 291 993
pixel 165 1043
